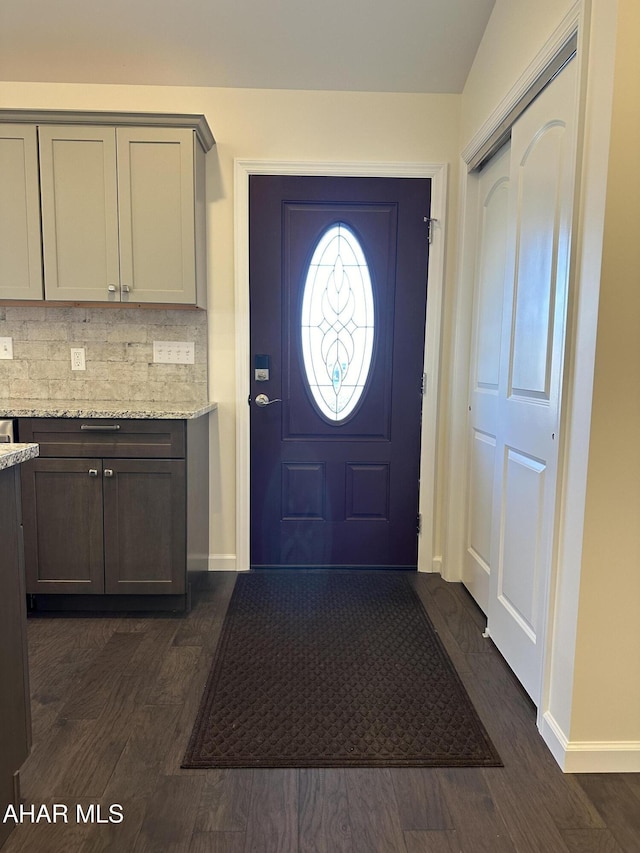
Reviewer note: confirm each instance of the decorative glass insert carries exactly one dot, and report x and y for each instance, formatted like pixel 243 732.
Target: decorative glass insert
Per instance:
pixel 337 322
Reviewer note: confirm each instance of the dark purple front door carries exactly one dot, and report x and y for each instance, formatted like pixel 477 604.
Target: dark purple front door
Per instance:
pixel 338 281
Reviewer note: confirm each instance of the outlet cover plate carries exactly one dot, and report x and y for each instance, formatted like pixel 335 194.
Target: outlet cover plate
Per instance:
pixel 77 358
pixel 174 352
pixel 6 347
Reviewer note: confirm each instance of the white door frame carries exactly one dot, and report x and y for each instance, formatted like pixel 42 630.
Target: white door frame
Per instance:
pixel 438 174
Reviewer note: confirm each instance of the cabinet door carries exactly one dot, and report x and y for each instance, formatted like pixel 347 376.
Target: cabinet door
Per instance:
pixel 157 214
pixel 20 254
pixel 62 518
pixel 144 526
pixel 79 212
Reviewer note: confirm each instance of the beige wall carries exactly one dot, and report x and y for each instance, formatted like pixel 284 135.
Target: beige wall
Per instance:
pixel 515 33
pixel 265 124
pixel 607 667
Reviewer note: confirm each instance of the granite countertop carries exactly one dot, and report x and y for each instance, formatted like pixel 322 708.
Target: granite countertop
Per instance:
pixel 102 409
pixel 14 454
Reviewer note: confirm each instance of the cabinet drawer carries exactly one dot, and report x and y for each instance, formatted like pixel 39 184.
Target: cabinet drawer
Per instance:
pixel 105 437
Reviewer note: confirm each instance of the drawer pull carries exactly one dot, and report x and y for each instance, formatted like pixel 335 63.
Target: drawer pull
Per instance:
pixel 99 427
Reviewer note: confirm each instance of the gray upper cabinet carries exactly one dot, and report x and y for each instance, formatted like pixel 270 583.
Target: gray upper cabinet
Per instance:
pixel 122 214
pixel 20 253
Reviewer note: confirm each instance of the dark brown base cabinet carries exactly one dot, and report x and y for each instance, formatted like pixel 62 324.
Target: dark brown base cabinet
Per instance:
pixel 15 715
pixel 115 507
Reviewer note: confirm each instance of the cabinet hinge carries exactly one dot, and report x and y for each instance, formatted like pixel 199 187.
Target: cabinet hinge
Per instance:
pixel 429 222
pixel 419 522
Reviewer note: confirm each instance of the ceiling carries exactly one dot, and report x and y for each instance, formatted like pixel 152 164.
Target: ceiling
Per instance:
pixel 358 45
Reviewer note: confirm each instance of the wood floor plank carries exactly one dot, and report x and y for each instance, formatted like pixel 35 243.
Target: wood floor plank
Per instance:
pixel 186 719
pixel 174 676
pixel 478 823
pixel 217 842
pixel 224 801
pixel 272 825
pixel 449 601
pixel 591 841
pixel 421 805
pixel 523 811
pixel 204 624
pixel 324 825
pixel 90 695
pixel 170 816
pixel 373 812
pixel 88 765
pixel 617 804
pixel 433 841
pixel 134 779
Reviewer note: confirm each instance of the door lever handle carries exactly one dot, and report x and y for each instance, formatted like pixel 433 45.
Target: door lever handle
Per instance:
pixel 262 400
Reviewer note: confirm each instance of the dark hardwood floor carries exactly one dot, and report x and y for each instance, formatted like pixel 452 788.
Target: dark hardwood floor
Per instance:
pixel 114 700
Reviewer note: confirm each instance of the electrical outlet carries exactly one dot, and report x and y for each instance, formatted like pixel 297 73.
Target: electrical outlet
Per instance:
pixel 77 358
pixel 174 352
pixel 6 347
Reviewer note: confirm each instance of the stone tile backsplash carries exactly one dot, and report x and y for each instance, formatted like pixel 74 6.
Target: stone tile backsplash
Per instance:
pixel 118 346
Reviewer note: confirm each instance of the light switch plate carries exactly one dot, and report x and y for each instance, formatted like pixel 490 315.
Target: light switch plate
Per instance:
pixel 6 347
pixel 174 352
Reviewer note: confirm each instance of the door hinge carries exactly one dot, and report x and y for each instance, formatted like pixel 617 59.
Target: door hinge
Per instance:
pixel 419 522
pixel 429 223
pixel 423 384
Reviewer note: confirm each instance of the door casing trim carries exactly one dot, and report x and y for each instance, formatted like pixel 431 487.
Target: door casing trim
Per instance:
pixel 437 172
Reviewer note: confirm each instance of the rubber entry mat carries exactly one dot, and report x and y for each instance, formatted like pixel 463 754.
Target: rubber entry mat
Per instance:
pixel 333 669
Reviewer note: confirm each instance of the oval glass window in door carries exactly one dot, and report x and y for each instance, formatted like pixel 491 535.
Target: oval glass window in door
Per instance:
pixel 337 323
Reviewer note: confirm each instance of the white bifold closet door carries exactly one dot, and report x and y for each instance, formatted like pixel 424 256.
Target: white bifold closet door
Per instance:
pixel 517 372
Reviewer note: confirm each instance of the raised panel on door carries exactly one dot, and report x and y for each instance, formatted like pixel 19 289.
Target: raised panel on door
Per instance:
pixel 79 212
pixel 530 392
pixel 144 526
pixel 20 246
pixel 489 282
pixel 157 214
pixel 62 518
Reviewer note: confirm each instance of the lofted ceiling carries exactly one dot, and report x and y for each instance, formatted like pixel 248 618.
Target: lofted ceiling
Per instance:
pixel 358 45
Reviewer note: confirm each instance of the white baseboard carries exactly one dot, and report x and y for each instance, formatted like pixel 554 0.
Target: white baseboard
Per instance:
pixel 589 756
pixel 222 563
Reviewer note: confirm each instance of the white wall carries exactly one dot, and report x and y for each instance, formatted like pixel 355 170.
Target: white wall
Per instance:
pixel 267 124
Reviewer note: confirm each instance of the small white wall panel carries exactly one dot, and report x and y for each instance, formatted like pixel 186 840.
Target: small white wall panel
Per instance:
pixel 539 202
pixel 482 465
pixel 518 568
pixel 491 285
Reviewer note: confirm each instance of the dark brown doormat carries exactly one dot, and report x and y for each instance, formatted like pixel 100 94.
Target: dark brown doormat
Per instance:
pixel 333 669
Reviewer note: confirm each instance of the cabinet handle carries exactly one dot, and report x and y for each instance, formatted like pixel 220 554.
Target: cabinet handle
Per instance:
pixel 112 288
pixel 99 427
pixel 108 472
pixel 125 288
pixel 93 472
